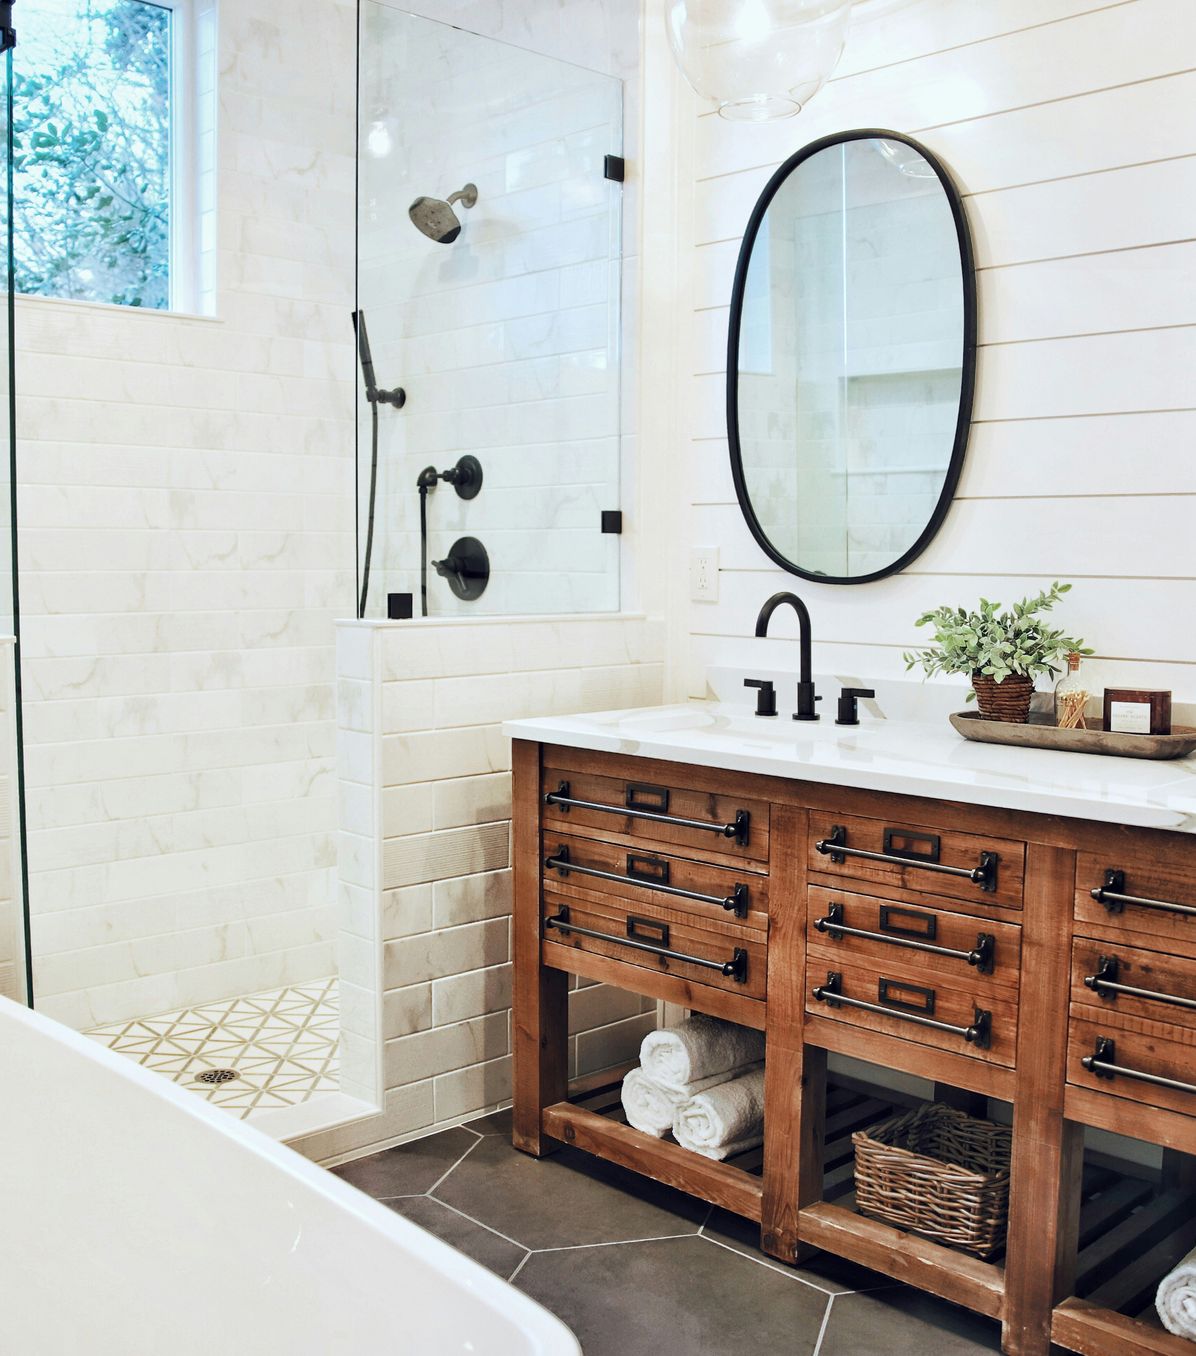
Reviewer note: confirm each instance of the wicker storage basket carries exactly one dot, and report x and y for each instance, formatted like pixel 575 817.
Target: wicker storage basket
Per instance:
pixel 938 1173
pixel 1008 701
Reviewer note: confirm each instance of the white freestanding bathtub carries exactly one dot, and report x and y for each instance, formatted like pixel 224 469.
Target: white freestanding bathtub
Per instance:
pixel 137 1220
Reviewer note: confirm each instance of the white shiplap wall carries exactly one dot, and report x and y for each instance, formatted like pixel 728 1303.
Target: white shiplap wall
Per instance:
pixel 1068 126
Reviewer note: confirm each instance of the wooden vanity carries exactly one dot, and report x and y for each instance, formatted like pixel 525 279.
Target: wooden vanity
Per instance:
pixel 1047 962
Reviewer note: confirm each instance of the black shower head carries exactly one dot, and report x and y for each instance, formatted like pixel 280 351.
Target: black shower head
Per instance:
pixel 435 216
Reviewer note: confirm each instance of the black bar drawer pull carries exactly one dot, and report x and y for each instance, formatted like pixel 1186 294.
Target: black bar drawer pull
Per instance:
pixel 978 1034
pixel 1103 1063
pixel 981 956
pixel 984 875
pixel 736 902
pixel 739 829
pixel 1105 983
pixel 736 968
pixel 1112 895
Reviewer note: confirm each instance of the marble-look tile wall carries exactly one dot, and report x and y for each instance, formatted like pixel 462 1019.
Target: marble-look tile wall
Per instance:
pixel 187 541
pixel 425 881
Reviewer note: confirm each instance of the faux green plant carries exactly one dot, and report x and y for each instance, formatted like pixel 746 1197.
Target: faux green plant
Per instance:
pixel 998 643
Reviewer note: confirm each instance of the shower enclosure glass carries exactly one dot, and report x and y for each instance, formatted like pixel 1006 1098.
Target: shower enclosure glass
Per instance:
pixel 14 952
pixel 489 243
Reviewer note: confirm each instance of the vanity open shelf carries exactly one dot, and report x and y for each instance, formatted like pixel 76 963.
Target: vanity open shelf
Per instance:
pixel 1044 961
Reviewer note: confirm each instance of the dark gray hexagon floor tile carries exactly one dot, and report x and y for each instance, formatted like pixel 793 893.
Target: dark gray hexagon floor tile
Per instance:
pixel 904 1322
pixel 835 1275
pixel 673 1296
pixel 497 1123
pixel 566 1199
pixel 410 1169
pixel 483 1245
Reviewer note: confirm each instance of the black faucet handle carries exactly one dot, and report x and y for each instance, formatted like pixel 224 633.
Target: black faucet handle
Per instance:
pixel 849 712
pixel 766 696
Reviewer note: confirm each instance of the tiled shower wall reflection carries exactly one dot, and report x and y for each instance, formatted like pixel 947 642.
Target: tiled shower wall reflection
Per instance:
pixel 425 874
pixel 506 341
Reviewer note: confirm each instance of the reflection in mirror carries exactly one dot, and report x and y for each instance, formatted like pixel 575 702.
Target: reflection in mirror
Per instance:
pixel 851 357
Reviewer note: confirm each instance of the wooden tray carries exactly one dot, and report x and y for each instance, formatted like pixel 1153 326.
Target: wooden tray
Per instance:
pixel 1037 734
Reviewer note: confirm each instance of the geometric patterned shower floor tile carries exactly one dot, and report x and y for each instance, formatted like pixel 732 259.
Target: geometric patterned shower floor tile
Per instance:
pixel 283 1045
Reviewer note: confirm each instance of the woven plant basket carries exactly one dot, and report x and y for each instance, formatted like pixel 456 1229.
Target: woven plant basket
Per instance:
pixel 938 1173
pixel 1008 701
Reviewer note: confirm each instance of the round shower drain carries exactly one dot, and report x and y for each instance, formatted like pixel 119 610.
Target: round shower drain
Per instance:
pixel 217 1076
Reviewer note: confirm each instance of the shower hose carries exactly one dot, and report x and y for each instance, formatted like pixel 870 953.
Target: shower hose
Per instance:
pixel 369 533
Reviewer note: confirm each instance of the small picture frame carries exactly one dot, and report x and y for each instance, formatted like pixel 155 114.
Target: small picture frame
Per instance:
pixel 1131 710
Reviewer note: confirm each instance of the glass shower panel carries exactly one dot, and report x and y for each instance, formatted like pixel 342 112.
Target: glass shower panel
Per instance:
pixel 14 972
pixel 504 335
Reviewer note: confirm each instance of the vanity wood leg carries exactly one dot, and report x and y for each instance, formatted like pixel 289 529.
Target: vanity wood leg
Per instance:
pixel 540 1001
pixel 794 1075
pixel 1179 1170
pixel 1044 1202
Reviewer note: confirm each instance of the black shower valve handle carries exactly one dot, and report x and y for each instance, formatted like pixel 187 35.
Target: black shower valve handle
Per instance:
pixel 451 566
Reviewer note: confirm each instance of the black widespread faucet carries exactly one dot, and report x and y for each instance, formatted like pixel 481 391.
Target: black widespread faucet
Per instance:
pixel 806 696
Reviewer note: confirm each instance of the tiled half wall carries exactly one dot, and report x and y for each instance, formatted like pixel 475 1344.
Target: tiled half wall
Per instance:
pixel 424 862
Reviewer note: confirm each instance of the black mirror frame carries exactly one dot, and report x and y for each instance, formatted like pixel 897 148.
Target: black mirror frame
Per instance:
pixel 968 358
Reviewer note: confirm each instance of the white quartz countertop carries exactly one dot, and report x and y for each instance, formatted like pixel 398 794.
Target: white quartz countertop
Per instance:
pixel 908 757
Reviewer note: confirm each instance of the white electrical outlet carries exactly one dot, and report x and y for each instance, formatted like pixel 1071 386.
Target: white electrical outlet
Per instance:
pixel 703 574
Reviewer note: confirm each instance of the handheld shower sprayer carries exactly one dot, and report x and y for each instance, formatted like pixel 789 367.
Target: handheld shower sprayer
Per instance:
pixel 396 397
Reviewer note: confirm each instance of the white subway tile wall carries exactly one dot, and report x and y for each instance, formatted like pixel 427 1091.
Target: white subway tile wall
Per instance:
pixel 507 340
pixel 187 541
pixel 425 855
pixel 1058 125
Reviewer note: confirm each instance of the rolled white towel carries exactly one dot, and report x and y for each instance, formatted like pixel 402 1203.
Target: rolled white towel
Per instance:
pixel 651 1108
pixel 1176 1298
pixel 698 1048
pixel 724 1120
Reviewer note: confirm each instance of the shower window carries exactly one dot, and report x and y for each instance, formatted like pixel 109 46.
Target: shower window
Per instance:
pixel 103 126
pixel 489 274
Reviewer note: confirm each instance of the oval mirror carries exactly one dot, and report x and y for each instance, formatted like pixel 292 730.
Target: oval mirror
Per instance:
pixel 851 357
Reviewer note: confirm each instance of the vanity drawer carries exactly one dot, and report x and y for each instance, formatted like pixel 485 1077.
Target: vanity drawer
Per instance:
pixel 672 816
pixel 1113 982
pixel 965 1018
pixel 976 869
pixel 715 896
pixel 645 936
pixel 1128 1057
pixel 1150 901
pixel 882 932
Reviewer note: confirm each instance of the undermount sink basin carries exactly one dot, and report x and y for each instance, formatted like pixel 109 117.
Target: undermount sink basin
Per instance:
pixel 720 721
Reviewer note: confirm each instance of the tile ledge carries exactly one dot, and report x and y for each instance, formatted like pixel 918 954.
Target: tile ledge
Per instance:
pixel 505 619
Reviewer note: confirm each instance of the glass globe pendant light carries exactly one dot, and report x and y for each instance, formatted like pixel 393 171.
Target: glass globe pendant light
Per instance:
pixel 757 60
